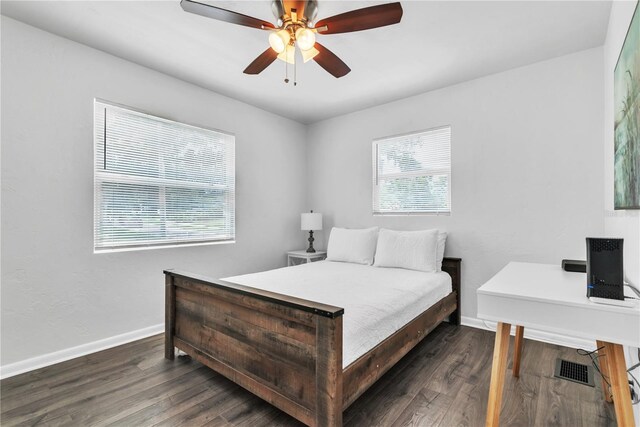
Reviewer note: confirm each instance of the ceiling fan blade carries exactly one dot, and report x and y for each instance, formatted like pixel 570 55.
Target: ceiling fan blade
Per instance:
pixel 330 62
pixel 362 19
pixel 224 15
pixel 261 62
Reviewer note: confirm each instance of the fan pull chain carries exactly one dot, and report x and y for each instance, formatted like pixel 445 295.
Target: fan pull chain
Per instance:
pixel 295 80
pixel 286 72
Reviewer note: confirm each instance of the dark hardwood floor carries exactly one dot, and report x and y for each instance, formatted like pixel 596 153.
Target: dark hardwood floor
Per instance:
pixel 444 381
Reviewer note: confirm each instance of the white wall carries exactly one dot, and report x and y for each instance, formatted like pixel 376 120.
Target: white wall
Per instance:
pixel 526 164
pixel 56 293
pixel 622 223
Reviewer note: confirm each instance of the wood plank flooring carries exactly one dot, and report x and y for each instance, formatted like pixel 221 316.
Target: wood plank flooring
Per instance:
pixel 444 382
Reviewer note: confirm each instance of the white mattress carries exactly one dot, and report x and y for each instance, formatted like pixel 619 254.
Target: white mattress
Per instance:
pixel 377 301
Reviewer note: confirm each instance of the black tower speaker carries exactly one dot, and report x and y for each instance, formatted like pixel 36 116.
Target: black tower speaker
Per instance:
pixel 604 268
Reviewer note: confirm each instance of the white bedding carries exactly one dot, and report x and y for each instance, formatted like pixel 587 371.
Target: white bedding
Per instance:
pixel 377 301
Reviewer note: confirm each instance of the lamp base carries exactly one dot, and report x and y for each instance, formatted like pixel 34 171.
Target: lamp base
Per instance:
pixel 310 239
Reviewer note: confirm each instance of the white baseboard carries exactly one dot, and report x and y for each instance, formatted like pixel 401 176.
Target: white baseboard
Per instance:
pixel 535 335
pixel 37 362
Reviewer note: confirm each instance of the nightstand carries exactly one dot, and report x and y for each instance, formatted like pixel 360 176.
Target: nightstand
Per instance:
pixel 302 257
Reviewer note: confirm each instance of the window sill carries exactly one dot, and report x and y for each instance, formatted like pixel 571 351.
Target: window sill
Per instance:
pixel 411 213
pixel 168 246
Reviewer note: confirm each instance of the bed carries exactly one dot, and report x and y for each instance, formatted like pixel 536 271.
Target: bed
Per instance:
pixel 284 335
pixel 379 301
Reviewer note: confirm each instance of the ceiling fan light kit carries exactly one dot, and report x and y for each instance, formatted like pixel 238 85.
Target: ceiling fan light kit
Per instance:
pixel 305 38
pixel 296 28
pixel 288 55
pixel 308 55
pixel 279 40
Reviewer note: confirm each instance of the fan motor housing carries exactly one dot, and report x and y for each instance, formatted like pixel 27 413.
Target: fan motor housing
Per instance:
pixel 310 10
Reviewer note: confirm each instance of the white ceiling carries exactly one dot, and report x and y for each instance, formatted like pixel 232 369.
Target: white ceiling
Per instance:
pixel 437 44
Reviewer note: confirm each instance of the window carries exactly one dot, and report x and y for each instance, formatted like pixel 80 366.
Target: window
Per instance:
pixel 160 183
pixel 412 173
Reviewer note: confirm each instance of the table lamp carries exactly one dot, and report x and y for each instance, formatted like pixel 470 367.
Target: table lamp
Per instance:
pixel 309 222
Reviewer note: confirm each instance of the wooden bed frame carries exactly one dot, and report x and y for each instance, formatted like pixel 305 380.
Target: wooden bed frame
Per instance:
pixel 286 350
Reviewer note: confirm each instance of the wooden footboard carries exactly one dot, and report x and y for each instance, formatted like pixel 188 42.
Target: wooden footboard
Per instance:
pixel 286 350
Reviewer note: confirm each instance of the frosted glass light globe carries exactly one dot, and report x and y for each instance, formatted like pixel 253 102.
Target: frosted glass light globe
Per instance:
pixel 279 40
pixel 288 55
pixel 308 55
pixel 305 38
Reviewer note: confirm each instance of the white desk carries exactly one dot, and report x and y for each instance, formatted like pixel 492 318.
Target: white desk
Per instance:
pixel 546 298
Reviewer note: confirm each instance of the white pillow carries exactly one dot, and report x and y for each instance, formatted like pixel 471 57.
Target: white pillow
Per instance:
pixel 442 239
pixel 413 250
pixel 357 246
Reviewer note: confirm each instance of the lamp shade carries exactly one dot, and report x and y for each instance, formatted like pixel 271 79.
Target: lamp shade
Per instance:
pixel 311 221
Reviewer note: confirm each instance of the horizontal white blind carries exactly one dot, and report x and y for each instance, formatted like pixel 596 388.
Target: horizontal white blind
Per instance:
pixel 160 182
pixel 412 173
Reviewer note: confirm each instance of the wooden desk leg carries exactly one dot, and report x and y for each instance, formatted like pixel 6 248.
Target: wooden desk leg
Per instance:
pixel 604 371
pixel 498 368
pixel 619 384
pixel 517 350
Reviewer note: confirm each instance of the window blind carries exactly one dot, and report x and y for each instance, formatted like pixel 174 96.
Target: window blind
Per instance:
pixel 159 182
pixel 412 173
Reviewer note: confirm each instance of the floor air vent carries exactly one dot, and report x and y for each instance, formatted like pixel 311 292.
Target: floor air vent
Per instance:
pixel 576 372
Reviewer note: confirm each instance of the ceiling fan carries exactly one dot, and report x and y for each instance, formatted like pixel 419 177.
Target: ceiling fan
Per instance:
pixel 296 26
